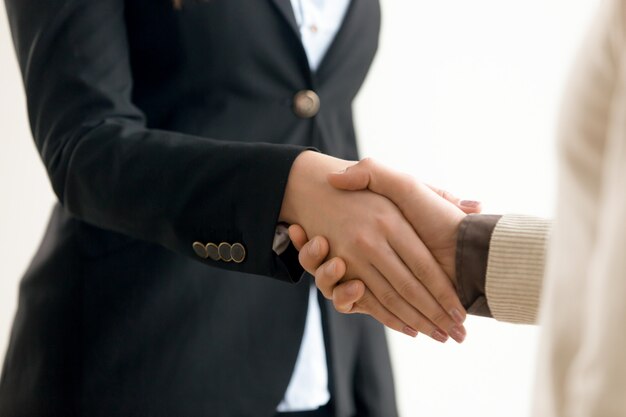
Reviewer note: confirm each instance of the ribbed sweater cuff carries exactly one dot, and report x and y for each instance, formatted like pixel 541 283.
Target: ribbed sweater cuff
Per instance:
pixel 515 267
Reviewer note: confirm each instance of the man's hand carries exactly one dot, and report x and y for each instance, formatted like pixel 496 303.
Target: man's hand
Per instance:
pixel 379 246
pixel 435 219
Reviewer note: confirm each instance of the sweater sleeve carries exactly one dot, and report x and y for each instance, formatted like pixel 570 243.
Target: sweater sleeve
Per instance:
pixel 515 267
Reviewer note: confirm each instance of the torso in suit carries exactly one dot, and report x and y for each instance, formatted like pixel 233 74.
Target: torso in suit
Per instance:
pixel 150 120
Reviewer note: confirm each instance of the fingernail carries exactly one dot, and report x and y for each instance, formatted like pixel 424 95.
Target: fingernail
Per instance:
pixel 458 334
pixel 409 331
pixel 314 249
pixel 331 268
pixel 457 316
pixel 469 203
pixel 439 336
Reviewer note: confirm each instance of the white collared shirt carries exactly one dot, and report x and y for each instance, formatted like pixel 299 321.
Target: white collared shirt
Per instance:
pixel 319 21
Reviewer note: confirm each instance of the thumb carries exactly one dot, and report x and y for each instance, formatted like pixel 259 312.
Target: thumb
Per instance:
pixel 351 178
pixel 368 174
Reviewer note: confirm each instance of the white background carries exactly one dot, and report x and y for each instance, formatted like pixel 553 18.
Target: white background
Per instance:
pixel 463 94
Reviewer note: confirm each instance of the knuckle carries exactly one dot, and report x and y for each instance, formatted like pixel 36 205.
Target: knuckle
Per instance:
pixel 325 289
pixel 328 294
pixel 363 242
pixel 322 279
pixel 389 298
pixel 440 317
pixel 418 324
pixel 305 262
pixel 424 269
pixel 365 304
pixel 341 297
pixel 385 222
pixel 389 322
pixel 446 299
pixel 410 289
pixel 312 248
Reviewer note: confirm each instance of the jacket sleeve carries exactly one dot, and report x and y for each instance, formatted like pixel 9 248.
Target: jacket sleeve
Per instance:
pixel 108 169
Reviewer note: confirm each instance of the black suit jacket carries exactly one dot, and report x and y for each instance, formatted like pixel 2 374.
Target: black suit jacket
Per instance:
pixel 158 128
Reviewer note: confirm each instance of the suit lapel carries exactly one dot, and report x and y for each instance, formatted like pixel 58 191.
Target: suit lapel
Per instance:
pixel 357 38
pixel 286 10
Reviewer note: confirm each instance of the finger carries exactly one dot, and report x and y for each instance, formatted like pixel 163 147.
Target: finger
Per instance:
pixel 368 304
pixel 313 253
pixel 393 302
pixel 415 292
pixel 470 206
pixel 328 275
pixel 346 294
pixel 435 286
pixel 445 195
pixel 353 297
pixel 298 236
pixel 467 206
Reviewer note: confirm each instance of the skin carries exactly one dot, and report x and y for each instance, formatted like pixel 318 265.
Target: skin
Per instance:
pixel 433 215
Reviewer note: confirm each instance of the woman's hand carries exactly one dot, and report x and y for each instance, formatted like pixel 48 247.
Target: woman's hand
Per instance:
pixel 405 285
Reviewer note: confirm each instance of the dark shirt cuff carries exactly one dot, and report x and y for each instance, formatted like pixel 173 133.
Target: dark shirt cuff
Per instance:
pixel 472 253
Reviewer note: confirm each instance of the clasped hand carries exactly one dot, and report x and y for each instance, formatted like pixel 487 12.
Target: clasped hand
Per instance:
pixel 382 244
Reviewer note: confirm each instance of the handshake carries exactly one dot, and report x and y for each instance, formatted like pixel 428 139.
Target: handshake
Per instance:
pixel 378 242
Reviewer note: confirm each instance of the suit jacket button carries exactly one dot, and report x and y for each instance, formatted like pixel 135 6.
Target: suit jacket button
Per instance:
pixel 238 253
pixel 224 251
pixel 306 104
pixel 212 251
pixel 200 250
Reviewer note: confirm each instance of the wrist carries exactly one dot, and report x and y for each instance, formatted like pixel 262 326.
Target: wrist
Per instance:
pixel 299 170
pixel 306 184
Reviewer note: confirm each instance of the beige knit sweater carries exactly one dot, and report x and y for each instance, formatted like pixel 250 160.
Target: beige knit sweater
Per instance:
pixel 582 357
pixel 515 268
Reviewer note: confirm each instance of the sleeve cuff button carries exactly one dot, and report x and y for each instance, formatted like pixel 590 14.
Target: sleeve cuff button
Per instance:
pixel 224 252
pixel 238 253
pixel 200 250
pixel 213 251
